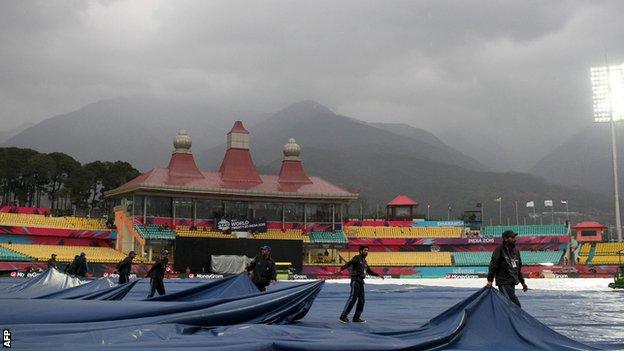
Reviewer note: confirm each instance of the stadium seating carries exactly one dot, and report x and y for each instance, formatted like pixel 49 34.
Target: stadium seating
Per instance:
pixel 328 237
pixel 155 232
pixel 606 259
pixel 40 221
pixel 472 258
pixel 609 248
pixel 605 253
pixel 538 257
pixel 527 230
pixel 9 255
pixel 67 253
pixel 585 248
pixel 404 232
pixel 528 258
pixel 183 231
pixel 289 234
pixel 404 258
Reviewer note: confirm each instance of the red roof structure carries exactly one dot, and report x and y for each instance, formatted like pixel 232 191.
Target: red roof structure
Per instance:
pixel 292 169
pixel 238 128
pixel 402 200
pixel 237 165
pixel 588 224
pixel 236 176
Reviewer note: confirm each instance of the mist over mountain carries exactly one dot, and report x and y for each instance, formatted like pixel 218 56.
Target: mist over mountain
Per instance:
pixel 584 160
pixel 137 130
pixel 9 133
pixel 382 164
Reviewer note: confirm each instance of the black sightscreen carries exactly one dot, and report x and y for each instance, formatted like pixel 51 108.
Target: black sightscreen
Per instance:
pixel 195 252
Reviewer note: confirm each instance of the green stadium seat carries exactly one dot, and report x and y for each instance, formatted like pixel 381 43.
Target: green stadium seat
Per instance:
pixel 527 230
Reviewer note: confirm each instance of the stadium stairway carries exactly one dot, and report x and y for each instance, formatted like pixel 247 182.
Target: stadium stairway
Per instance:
pixel 592 253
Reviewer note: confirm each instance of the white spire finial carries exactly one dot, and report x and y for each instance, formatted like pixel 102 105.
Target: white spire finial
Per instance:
pixel 292 150
pixel 182 143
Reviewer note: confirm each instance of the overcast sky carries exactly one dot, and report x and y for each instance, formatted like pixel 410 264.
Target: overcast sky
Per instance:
pixel 510 74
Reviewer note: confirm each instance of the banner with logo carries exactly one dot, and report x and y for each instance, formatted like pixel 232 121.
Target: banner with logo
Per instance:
pixel 421 223
pixel 241 225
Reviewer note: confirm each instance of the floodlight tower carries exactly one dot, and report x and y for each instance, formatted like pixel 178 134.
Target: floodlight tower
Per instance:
pixel 608 92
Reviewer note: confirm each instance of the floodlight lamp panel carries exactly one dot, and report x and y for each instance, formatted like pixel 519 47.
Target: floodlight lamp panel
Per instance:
pixel 608 93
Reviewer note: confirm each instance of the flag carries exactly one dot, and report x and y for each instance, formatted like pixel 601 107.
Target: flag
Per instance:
pixel 479 205
pixel 548 203
pixel 530 204
pixel 564 202
pixel 498 199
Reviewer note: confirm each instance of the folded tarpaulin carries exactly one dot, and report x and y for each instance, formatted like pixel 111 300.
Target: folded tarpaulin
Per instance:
pixel 277 306
pixel 233 286
pixel 48 281
pixel 116 292
pixel 484 321
pixel 80 290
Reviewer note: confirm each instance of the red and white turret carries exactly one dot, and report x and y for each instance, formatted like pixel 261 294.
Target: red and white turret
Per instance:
pixel 237 165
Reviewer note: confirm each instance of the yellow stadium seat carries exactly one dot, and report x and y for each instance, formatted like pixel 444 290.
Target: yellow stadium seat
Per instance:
pixel 67 253
pixel 41 221
pixel 289 234
pixel 404 258
pixel 403 232
pixel 187 232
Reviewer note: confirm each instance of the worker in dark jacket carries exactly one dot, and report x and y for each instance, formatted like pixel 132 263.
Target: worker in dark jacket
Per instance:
pixel 506 267
pixel 262 269
pixel 124 267
pixel 52 262
pixel 157 274
pixel 358 268
pixel 71 267
pixel 81 265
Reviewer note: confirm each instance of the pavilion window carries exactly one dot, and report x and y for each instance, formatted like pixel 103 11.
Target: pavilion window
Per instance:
pixel 209 209
pixel 158 206
pixel 137 205
pixel 237 210
pixel 269 211
pixel 293 212
pixel 183 208
pixel 319 213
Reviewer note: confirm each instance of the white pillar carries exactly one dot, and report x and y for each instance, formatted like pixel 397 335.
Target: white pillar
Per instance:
pixel 618 222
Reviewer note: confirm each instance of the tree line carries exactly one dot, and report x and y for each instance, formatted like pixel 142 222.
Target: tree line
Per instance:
pixel 30 178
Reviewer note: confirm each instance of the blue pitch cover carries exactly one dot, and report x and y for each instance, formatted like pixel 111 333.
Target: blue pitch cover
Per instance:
pixel 202 318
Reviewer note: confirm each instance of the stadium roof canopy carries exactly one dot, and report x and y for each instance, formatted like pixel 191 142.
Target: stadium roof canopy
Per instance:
pixel 236 176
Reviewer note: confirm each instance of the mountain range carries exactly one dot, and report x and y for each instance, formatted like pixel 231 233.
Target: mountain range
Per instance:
pixel 380 160
pixel 585 160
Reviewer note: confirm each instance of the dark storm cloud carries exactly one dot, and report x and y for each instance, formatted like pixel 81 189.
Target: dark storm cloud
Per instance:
pixel 506 75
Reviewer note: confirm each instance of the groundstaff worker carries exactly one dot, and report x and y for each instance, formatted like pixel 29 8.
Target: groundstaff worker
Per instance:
pixel 81 265
pixel 157 274
pixel 358 268
pixel 124 267
pixel 262 269
pixel 506 267
pixel 52 262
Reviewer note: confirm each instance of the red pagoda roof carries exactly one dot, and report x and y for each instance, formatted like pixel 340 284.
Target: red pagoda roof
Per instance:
pixel 589 224
pixel 236 176
pixel 237 166
pixel 239 128
pixel 182 166
pixel 160 179
pixel 402 200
